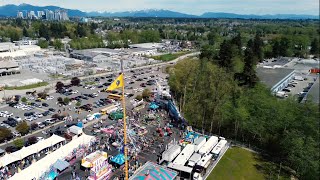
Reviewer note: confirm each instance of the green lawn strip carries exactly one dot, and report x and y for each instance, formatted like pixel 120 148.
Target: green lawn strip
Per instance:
pixel 30 86
pixel 170 56
pixel 241 164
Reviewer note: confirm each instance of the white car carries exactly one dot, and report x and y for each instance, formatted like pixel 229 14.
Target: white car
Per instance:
pixel 95 94
pixel 39 115
pixel 50 97
pixel 16 134
pixel 18 118
pixel 75 92
pixel 29 119
pixel 40 125
pixel 49 121
pixel 40 139
pixel 5 125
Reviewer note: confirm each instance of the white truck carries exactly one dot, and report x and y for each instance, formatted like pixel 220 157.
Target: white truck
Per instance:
pixel 171 153
pixel 209 145
pixel 199 142
pixel 196 157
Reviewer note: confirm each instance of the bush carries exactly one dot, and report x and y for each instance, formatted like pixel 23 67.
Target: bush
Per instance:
pixel 24 99
pixel 32 140
pixel 19 143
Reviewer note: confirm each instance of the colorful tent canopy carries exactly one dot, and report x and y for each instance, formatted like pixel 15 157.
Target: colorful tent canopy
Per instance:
pixel 118 159
pixel 152 171
pixel 61 165
pixel 153 106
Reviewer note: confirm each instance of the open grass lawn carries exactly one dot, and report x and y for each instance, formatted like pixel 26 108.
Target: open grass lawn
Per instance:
pixel 170 56
pixel 241 164
pixel 30 86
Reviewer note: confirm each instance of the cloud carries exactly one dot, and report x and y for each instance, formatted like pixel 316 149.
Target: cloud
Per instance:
pixel 187 6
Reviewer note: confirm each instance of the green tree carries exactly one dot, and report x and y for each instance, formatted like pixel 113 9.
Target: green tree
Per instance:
pixel 257 47
pixel 59 86
pixel 24 99
pixel 315 47
pixel 139 97
pixel 5 133
pixel 75 81
pixel 25 32
pixel 19 143
pixel 57 44
pixel 43 43
pixel 146 93
pixel 78 104
pixel 22 128
pixel 66 100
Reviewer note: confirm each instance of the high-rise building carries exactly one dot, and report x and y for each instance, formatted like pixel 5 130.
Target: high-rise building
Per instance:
pixel 40 14
pixel 33 15
pixel 20 14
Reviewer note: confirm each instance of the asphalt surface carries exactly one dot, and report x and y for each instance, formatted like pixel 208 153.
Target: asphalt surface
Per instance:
pixel 136 89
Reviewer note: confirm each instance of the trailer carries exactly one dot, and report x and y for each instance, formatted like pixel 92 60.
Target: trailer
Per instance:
pixel 184 171
pixel 209 145
pixel 196 157
pixel 217 149
pixel 185 155
pixel 171 153
pixel 205 161
pixel 199 142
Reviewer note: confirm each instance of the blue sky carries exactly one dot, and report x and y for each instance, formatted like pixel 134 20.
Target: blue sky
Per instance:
pixel 196 7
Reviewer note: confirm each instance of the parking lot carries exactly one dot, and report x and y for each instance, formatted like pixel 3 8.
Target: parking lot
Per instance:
pixel 135 82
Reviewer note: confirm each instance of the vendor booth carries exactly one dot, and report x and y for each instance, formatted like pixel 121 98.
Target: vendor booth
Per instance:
pixel 98 164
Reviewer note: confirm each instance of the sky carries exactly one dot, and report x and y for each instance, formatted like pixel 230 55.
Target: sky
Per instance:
pixel 195 7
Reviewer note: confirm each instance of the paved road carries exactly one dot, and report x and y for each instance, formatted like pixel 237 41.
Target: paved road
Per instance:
pixel 9 93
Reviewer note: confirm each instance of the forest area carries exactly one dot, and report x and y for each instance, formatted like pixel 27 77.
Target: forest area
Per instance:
pixel 220 93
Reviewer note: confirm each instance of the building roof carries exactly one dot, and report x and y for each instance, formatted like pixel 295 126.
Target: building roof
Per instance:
pixel 271 76
pixel 314 92
pixel 147 45
pixel 8 64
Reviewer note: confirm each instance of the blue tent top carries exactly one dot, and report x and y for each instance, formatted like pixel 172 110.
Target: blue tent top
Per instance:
pixel 119 159
pixel 80 124
pixel 61 165
pixel 153 106
pixel 51 175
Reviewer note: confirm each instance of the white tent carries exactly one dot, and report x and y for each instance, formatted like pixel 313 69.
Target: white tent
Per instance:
pixel 75 130
pixel 8 159
pixel 27 151
pixel 40 167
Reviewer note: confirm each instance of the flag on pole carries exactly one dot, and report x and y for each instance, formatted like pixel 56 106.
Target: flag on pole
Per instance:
pixel 118 83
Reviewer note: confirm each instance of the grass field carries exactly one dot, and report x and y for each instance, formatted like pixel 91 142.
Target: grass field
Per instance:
pixel 170 56
pixel 31 86
pixel 241 164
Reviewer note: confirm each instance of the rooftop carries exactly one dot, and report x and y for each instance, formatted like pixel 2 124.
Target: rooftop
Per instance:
pixel 8 64
pixel 314 92
pixel 146 45
pixel 271 76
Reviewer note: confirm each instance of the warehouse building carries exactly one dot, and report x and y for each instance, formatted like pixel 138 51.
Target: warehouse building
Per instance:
pixel 8 67
pixel 275 78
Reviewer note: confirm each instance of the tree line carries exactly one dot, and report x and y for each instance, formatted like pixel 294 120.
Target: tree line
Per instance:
pixel 221 94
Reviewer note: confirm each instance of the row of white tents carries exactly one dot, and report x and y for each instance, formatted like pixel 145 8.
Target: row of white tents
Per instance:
pixel 32 149
pixel 37 169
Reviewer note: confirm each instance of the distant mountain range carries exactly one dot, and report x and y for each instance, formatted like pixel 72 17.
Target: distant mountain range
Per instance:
pixel 11 11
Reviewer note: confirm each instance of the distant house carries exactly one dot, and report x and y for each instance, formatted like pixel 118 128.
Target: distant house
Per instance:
pixel 275 78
